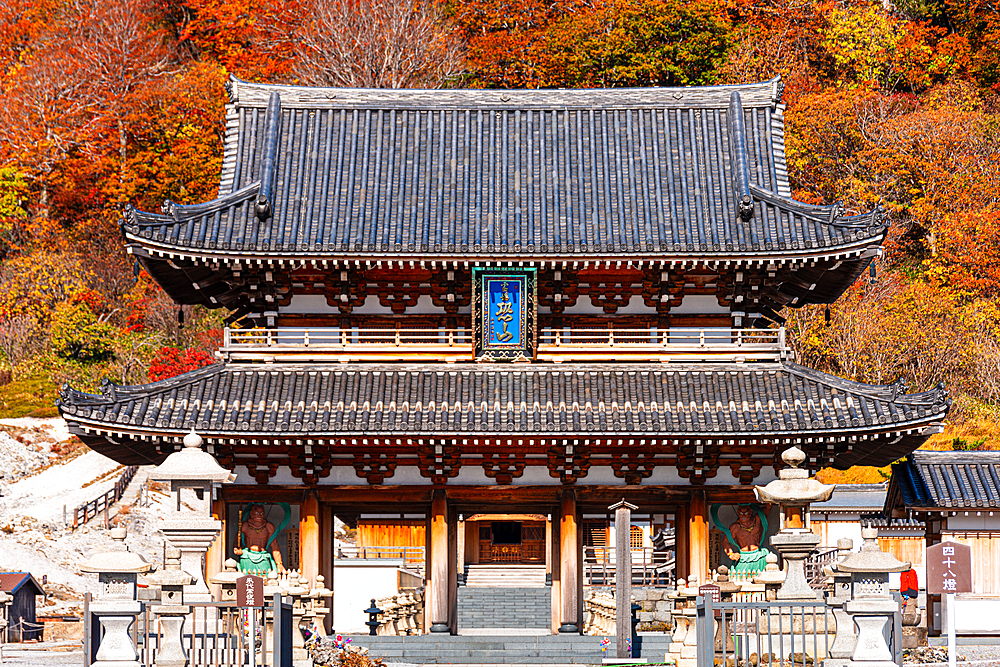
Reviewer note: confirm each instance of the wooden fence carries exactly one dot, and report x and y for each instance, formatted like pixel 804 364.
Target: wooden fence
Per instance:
pixel 103 503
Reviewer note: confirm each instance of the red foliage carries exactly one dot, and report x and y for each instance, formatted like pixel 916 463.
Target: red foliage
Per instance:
pixel 170 362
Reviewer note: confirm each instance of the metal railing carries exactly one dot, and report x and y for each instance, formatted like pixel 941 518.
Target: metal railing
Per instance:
pixel 102 504
pixel 412 557
pixel 215 634
pixel 816 563
pixel 560 344
pixel 776 633
pixel 649 567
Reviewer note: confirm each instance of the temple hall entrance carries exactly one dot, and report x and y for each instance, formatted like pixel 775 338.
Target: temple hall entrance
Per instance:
pixel 511 541
pixel 505 581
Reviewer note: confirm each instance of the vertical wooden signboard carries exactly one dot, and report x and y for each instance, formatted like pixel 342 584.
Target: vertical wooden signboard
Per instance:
pixel 949 571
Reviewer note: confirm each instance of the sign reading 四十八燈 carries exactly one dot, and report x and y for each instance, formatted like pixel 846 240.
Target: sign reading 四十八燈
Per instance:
pixel 949 568
pixel 504 313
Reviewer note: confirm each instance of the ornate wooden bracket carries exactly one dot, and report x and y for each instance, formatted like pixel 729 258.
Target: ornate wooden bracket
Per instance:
pixel 439 462
pixel 698 462
pixel 375 468
pixel 745 472
pixel 503 468
pixel 311 465
pixel 568 462
pixel 633 467
pixel 262 472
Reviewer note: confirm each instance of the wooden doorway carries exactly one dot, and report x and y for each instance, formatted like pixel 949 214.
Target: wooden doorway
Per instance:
pixel 512 539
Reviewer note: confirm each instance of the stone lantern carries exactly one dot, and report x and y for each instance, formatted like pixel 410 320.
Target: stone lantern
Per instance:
pixel 116 605
pixel 794 491
pixel 4 601
pixel 844 641
pixel 171 611
pixel 189 527
pixel 871 604
pixel 226 580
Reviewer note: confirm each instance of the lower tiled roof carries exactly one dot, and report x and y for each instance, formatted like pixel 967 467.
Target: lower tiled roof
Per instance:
pixel 710 401
pixel 948 480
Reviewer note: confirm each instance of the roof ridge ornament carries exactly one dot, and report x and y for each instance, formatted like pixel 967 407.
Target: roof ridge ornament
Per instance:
pixel 741 161
pixel 264 206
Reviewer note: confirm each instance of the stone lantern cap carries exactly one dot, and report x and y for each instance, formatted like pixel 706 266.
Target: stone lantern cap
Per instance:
pixel 171 573
pixel 4 598
pixel 870 559
pixel 118 559
pixel 793 487
pixel 191 464
pixel 230 573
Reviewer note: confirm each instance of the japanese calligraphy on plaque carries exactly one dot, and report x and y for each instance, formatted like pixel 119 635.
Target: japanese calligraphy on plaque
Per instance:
pixel 504 313
pixel 949 568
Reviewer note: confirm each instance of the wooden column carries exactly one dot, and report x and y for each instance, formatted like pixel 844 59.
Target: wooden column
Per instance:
pixel 698 537
pixel 681 542
pixel 453 572
pixel 552 557
pixel 216 555
pixel 326 554
pixel 309 538
pixel 569 564
pixel 438 585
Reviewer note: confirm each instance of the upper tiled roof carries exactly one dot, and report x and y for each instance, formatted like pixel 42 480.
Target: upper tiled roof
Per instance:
pixel 655 172
pixel 853 498
pixel 440 400
pixel 947 480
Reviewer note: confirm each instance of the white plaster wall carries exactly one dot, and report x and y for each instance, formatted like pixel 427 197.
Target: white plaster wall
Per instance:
pixel 473 474
pixel 974 521
pixel 973 615
pixel 355 583
pixel 698 304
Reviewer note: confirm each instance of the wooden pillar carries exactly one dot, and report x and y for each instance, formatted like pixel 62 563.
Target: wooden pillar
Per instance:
pixel 698 537
pixel 438 584
pixel 681 542
pixel 453 572
pixel 309 538
pixel 569 564
pixel 216 555
pixel 326 554
pixel 933 524
pixel 552 558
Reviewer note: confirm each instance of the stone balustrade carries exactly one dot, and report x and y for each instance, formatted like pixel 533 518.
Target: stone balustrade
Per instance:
pixel 402 614
pixel 599 613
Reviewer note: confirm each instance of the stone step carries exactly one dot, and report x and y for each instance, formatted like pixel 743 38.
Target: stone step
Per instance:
pixel 555 649
pixel 483 608
pixel 498 576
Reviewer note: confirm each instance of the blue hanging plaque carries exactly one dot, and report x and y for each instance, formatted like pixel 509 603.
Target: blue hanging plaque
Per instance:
pixel 504 312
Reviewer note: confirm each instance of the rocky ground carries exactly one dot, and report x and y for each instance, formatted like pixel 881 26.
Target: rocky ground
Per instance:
pixel 46 474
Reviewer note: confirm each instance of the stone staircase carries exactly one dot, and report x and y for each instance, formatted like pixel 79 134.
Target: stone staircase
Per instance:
pixel 512 575
pixel 504 596
pixel 504 607
pixel 538 649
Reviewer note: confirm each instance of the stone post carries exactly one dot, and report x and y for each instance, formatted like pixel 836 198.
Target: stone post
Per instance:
pixel 727 589
pixel 192 473
pixel 623 576
pixel 843 642
pixel 4 601
pixel 171 611
pixel 794 491
pixel 871 605
pixel 116 605
pixel 771 578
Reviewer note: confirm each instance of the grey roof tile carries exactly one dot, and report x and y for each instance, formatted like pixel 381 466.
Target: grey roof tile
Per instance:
pixel 650 172
pixel 597 400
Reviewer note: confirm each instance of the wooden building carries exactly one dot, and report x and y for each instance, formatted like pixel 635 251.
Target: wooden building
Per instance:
pixel 957 497
pixel 496 313
pixel 22 623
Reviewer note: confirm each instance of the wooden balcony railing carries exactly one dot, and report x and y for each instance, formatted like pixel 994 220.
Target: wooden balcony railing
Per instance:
pixel 554 345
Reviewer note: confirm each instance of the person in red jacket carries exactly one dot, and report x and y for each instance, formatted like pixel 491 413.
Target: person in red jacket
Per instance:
pixel 908 589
